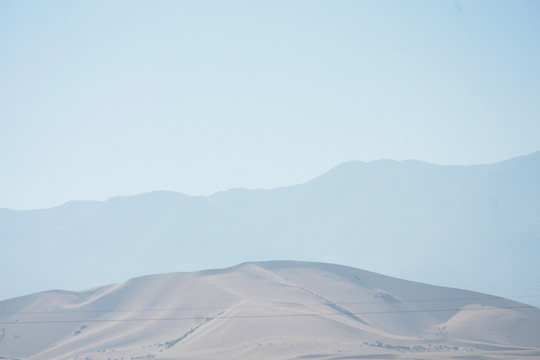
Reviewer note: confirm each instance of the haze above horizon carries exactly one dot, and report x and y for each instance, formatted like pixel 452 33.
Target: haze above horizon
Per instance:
pixel 100 99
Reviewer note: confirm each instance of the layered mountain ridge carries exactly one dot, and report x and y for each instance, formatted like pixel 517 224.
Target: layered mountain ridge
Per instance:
pixel 474 227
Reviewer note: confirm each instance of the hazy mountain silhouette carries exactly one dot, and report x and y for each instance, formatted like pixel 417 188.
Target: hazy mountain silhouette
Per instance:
pixel 475 227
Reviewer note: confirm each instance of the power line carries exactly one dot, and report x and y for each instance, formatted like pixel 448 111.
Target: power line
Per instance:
pixel 344 313
pixel 74 311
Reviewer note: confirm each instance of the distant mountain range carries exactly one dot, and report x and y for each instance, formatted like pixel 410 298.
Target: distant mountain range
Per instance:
pixel 474 227
pixel 270 310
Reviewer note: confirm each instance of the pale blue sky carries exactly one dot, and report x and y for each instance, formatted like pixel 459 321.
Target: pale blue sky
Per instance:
pixel 103 98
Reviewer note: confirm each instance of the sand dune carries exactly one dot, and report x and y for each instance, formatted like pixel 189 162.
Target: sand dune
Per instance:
pixel 270 310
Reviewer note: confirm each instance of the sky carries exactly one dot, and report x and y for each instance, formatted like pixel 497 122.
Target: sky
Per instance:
pixel 100 98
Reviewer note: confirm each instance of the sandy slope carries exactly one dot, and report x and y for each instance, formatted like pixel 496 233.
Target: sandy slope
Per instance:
pixel 271 310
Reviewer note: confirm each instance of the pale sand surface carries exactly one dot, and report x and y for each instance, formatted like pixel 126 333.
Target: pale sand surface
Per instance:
pixel 270 310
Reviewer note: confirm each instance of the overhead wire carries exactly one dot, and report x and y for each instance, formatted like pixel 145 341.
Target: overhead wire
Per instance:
pixel 221 316
pixel 396 301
